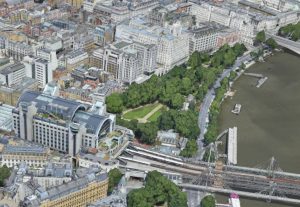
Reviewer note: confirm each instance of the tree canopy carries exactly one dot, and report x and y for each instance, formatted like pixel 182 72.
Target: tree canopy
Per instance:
pixel 4 174
pixel 208 201
pixel 114 178
pixel 158 190
pixel 260 37
pixel 115 103
pixel 291 31
pixel 271 43
pixel 190 150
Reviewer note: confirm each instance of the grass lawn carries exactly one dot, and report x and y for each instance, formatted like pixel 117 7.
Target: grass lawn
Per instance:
pixel 155 116
pixel 139 112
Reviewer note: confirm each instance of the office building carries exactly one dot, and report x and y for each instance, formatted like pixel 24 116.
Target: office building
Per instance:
pixel 204 38
pixel 17 50
pixel 39 69
pixel 76 58
pixel 172 42
pixel 34 156
pixel 126 61
pixel 60 124
pixel 10 95
pixel 79 193
pixel 12 74
pixel 117 11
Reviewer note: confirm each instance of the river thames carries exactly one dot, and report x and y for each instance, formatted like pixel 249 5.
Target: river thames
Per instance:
pixel 269 121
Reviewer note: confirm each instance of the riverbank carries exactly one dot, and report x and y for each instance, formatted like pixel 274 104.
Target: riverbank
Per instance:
pixel 268 123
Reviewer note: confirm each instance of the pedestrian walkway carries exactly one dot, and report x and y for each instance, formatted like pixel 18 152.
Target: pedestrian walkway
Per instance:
pixel 145 118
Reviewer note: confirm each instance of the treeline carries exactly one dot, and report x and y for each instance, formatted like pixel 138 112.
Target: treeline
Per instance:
pixel 195 77
pixel 212 129
pixel 158 191
pixel 261 39
pixel 4 174
pixel 291 31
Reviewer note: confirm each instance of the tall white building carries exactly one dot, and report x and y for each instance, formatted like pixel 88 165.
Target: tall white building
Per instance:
pixel 39 69
pixel 172 42
pixel 204 38
pixel 126 61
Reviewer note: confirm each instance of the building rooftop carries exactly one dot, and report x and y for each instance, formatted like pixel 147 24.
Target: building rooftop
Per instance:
pixel 73 186
pixel 12 68
pixel 25 149
pixel 64 108
pixel 92 122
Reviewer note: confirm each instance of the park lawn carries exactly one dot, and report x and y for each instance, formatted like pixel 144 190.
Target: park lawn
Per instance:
pixel 155 116
pixel 139 112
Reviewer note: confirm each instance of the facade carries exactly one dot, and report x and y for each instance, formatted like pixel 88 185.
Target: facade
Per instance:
pixel 42 72
pixel 125 60
pixel 39 69
pixel 6 117
pixel 172 42
pixel 10 95
pixel 77 193
pixel 248 18
pixel 12 74
pixel 148 56
pixel 60 124
pixel 76 58
pixel 118 11
pixel 104 34
pixel 17 50
pixel 204 38
pixel 35 156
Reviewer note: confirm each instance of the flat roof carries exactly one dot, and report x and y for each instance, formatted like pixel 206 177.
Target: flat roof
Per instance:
pixel 24 149
pixel 12 68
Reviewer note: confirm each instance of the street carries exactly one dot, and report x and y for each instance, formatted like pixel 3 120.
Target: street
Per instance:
pixel 204 110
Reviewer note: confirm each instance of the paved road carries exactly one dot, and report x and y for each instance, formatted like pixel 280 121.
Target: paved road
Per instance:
pixel 204 110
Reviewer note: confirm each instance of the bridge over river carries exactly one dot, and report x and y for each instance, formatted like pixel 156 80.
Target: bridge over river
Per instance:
pixel 284 42
pixel 268 184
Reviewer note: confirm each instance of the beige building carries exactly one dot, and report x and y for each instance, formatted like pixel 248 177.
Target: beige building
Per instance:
pixel 75 3
pixel 11 95
pixel 32 155
pixel 77 193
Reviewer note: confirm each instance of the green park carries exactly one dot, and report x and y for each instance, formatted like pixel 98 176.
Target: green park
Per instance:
pixel 137 106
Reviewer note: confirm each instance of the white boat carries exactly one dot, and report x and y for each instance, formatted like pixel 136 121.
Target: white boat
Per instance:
pixel 237 108
pixel 234 200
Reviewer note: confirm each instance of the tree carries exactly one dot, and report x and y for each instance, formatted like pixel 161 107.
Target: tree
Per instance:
pixel 158 190
pixel 166 120
pixel 177 101
pixel 271 43
pixel 186 123
pixel 186 86
pixel 4 174
pixel 208 201
pixel 190 149
pixel 195 59
pixel 115 176
pixel 260 37
pixel 114 103
pixel 147 133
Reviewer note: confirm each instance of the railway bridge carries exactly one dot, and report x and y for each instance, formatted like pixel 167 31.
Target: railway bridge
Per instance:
pixel 270 184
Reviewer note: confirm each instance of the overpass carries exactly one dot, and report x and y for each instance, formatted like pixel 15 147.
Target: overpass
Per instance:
pixel 286 43
pixel 268 184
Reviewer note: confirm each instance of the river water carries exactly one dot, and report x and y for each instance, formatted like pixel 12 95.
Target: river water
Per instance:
pixel 269 121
